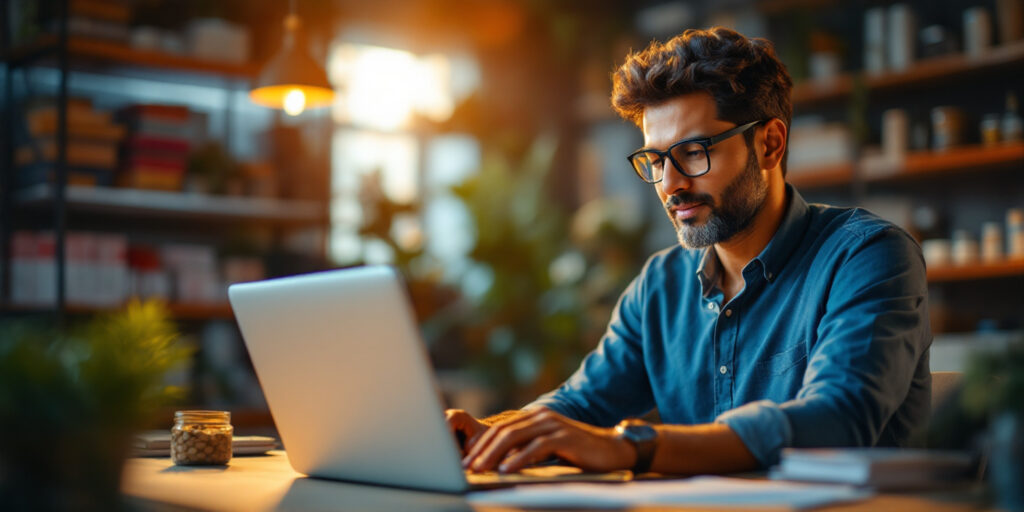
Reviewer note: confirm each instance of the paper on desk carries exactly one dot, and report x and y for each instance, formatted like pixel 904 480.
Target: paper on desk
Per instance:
pixel 705 491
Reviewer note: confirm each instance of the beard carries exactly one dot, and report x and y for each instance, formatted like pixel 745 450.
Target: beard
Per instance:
pixel 741 200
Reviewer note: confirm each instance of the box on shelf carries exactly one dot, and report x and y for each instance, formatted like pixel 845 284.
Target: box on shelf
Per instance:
pixel 33 272
pixel 104 270
pixel 218 40
pixel 813 143
pixel 148 279
pixel 194 274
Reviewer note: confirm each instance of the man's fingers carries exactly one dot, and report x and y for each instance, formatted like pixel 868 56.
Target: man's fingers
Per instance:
pixel 509 438
pixel 486 438
pixel 488 435
pixel 537 450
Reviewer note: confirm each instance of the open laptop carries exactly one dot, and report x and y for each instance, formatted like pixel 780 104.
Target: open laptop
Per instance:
pixel 350 387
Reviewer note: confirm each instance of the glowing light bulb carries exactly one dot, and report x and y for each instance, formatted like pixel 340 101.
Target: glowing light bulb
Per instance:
pixel 294 102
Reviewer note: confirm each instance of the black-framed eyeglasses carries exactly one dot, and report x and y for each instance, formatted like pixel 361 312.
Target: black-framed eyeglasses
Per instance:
pixel 690 156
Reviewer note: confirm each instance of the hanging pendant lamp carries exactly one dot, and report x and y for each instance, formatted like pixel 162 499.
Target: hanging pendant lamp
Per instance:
pixel 291 80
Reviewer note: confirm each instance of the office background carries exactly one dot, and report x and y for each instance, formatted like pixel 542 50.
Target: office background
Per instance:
pixel 471 144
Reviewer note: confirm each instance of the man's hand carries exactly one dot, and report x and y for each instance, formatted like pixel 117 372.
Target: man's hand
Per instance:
pixel 465 427
pixel 541 433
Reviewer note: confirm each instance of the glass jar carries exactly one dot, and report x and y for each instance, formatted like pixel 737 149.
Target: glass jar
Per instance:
pixel 201 437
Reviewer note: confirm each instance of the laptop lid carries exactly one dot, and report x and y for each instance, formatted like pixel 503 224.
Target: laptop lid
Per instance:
pixel 347 378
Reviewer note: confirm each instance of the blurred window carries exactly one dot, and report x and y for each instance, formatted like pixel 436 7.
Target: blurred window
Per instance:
pixel 374 152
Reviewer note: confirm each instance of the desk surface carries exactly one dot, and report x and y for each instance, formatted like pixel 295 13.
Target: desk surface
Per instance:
pixel 269 483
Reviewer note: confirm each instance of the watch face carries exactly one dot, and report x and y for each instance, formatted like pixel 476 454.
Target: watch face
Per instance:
pixel 637 432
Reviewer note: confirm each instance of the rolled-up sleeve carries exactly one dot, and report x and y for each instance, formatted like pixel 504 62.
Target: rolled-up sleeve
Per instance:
pixel 872 334
pixel 612 382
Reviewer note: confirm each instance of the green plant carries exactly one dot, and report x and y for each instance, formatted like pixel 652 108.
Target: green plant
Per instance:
pixel 71 400
pixel 994 382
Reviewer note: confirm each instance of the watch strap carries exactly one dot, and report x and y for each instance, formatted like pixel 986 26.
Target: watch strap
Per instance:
pixel 644 439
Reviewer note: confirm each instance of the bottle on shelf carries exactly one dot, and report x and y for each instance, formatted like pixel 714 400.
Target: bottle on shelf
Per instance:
pixel 1013 127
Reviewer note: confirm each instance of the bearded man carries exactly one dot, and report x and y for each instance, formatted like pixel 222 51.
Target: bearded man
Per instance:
pixel 773 323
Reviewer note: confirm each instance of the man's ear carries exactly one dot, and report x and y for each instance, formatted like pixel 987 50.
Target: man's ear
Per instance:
pixel 772 143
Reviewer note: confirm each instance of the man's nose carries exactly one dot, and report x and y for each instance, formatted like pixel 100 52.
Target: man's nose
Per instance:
pixel 673 180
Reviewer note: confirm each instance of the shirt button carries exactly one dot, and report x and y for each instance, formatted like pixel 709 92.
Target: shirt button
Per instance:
pixel 728 312
pixel 711 305
pixel 723 370
pixel 770 276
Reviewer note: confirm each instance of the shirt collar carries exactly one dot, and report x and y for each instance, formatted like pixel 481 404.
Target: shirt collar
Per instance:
pixel 788 237
pixel 707 271
pixel 775 254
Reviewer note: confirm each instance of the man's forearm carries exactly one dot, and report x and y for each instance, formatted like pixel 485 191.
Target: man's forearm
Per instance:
pixel 693 449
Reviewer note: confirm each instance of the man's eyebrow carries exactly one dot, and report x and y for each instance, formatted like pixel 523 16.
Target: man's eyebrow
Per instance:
pixel 688 137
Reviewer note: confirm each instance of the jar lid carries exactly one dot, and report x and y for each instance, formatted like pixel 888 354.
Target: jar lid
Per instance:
pixel 201 416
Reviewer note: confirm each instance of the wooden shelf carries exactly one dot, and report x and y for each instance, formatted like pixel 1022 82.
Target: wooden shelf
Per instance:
pixel 916 166
pixel 923 72
pixel 126 201
pixel 820 177
pixel 107 52
pixel 180 311
pixel 959 159
pixel 1011 268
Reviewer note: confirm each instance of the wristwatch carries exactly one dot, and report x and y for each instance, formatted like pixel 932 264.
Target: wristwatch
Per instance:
pixel 643 437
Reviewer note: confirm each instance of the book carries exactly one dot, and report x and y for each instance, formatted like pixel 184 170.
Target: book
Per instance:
pixel 157 145
pixel 44 116
pixel 45 173
pixel 880 468
pixel 79 153
pixel 158 443
pixel 152 180
pixel 167 113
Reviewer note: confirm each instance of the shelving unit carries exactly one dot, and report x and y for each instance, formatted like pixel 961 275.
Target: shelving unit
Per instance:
pixel 1011 268
pixel 921 73
pixel 178 311
pixel 184 206
pixel 148 217
pixel 962 187
pixel 87 50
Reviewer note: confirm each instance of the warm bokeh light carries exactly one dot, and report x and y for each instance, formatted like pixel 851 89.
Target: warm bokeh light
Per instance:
pixel 383 87
pixel 278 96
pixel 294 102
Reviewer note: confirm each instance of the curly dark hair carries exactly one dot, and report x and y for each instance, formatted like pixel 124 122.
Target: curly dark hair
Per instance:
pixel 743 75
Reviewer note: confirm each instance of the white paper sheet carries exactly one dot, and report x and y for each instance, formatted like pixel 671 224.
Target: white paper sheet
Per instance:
pixel 704 491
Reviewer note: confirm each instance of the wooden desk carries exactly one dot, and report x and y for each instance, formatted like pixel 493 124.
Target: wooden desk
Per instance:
pixel 269 483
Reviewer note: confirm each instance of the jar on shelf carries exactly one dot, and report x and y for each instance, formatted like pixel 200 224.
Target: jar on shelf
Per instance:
pixel 201 437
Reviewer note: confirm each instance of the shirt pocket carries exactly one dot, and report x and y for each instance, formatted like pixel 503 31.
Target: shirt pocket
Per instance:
pixel 784 361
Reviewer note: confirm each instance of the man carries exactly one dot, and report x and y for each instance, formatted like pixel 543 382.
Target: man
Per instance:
pixel 773 323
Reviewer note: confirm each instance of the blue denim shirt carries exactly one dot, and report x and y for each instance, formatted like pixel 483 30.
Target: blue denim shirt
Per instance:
pixel 826 345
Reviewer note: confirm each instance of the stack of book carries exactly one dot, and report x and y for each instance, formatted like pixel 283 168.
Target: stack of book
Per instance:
pixel 91 151
pixel 156 150
pixel 879 468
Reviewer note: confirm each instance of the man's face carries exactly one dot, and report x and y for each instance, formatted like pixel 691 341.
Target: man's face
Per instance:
pixel 712 208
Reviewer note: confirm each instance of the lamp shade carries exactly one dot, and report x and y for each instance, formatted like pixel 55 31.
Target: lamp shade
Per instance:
pixel 291 79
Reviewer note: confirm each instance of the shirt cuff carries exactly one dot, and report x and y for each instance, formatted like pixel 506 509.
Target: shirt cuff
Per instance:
pixel 762 426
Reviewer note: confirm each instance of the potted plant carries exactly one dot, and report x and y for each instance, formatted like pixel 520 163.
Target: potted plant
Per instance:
pixel 71 401
pixel 994 392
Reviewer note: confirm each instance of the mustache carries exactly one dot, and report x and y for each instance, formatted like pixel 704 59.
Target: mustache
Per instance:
pixel 688 198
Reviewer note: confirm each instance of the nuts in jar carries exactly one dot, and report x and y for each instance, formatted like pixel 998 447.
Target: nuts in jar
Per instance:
pixel 201 437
